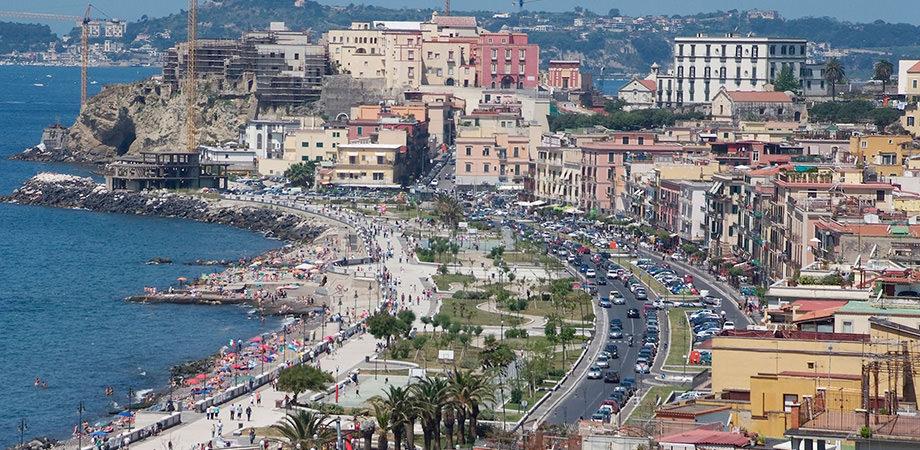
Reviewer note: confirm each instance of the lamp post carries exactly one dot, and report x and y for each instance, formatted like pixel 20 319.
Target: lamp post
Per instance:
pixel 128 408
pixel 22 427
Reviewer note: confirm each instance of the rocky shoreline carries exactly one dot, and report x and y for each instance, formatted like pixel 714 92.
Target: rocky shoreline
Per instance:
pixel 68 191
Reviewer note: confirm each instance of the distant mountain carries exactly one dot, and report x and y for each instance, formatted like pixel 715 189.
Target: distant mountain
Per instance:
pixel 25 37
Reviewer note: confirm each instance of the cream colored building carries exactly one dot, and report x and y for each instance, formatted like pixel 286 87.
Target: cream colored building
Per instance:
pixel 493 148
pixel 315 140
pixel 638 94
pixel 366 165
pixel 557 174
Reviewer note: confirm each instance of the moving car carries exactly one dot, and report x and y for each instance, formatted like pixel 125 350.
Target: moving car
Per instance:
pixel 604 302
pixel 594 373
pixel 633 313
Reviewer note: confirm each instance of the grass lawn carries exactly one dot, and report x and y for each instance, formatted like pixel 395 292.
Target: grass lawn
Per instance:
pixel 540 341
pixel 465 312
pixel 545 308
pixel 444 282
pixel 645 278
pixel 427 356
pixel 679 342
pixel 530 399
pixel 646 408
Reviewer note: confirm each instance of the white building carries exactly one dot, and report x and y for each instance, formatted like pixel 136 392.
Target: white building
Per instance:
pixel 266 136
pixel 692 210
pixel 703 65
pixel 638 94
pixel 242 159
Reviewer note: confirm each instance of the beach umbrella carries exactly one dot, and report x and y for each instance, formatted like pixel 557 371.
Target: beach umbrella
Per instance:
pixel 126 414
pixel 256 339
pixel 99 433
pixel 201 376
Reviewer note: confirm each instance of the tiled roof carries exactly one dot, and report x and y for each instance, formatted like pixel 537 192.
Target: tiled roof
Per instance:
pixel 650 84
pixel 914 68
pixel 759 97
pixel 869 229
pixel 707 437
pixel 809 305
pixel 816 315
pixel 455 21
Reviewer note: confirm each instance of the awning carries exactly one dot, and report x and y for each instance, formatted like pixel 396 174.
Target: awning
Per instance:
pixel 715 187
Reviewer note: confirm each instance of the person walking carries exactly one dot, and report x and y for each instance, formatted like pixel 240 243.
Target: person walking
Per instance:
pixel 252 436
pixel 248 413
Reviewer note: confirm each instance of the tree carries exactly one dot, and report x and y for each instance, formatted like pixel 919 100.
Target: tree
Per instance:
pixel 302 378
pixel 395 404
pixel 302 174
pixel 786 80
pixel 305 429
pixel 449 210
pixel 382 417
pixel 495 354
pixel 407 318
pixel 433 395
pixel 833 74
pixel 469 391
pixel 384 326
pixel 883 72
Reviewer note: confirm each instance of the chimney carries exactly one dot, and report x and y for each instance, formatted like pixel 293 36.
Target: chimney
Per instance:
pixel 794 416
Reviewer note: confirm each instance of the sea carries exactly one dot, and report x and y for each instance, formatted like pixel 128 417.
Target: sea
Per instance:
pixel 64 275
pixel 609 86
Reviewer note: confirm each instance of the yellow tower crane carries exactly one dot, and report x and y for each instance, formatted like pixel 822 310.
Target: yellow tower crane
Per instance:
pixel 191 108
pixel 85 22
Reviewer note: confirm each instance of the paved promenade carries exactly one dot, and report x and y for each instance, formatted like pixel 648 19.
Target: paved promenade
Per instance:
pixel 410 279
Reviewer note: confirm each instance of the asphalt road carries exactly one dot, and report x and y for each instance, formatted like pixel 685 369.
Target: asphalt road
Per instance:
pixel 587 395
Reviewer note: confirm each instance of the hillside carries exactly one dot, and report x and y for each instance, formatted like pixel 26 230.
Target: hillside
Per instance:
pixel 24 37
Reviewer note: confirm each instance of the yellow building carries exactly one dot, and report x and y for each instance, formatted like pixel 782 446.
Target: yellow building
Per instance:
pixel 367 165
pixel 885 153
pixel 773 397
pixel 910 121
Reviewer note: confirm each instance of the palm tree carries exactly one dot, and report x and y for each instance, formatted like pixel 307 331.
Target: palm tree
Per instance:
pixel 306 429
pixel 368 427
pixel 883 72
pixel 449 210
pixel 834 73
pixel 382 416
pixel 433 396
pixel 396 403
pixel 469 391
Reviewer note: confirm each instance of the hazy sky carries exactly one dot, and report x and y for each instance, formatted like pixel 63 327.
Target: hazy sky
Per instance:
pixel 852 10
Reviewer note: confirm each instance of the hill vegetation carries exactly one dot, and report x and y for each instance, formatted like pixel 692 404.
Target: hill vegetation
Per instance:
pixel 25 37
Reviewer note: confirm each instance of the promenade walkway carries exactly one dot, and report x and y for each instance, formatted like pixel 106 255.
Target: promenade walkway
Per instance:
pixel 409 279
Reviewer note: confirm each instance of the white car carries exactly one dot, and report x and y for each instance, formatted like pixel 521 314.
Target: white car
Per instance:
pixel 728 325
pixel 594 373
pixel 590 273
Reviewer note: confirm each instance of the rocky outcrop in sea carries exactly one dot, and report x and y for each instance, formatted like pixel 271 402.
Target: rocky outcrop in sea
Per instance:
pixel 68 191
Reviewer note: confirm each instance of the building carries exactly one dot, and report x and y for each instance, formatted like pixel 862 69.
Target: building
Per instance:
pixel 369 165
pixel 638 94
pixel 266 136
pixel 237 159
pixel 703 439
pixel 164 170
pixel 703 65
pixel 736 106
pixel 909 78
pixel 508 61
pixel 566 75
pixel 812 81
pixel 557 171
pixel 681 208
pixel 883 155
pixel 282 67
pixel 493 148
pixel 845 241
pixel 315 140
pixel 910 121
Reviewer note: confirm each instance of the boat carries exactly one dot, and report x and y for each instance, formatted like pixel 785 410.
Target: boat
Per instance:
pixel 93 82
pixel 38 85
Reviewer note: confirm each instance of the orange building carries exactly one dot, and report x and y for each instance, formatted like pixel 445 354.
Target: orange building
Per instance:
pixel 566 75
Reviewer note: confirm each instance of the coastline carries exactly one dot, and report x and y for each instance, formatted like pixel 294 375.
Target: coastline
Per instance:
pixel 64 191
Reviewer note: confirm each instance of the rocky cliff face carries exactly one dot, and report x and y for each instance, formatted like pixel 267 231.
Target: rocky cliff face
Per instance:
pixel 67 191
pixel 147 116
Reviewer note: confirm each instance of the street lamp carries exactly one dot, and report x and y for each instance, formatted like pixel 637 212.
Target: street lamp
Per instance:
pixel 22 427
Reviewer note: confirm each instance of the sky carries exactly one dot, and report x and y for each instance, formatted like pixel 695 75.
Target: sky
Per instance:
pixel 851 10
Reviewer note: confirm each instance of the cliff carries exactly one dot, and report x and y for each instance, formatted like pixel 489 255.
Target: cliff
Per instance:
pixel 67 191
pixel 149 116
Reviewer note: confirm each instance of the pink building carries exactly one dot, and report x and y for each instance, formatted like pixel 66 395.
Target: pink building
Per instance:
pixel 566 75
pixel 603 168
pixel 505 60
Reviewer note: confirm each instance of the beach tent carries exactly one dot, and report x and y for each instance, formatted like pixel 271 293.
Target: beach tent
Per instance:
pixel 304 266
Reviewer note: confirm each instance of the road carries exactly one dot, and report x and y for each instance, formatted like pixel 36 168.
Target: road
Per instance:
pixel 587 395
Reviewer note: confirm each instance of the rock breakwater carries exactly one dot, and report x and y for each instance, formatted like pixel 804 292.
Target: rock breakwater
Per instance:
pixel 68 191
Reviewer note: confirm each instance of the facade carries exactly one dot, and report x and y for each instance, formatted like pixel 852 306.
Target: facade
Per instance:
pixel 557 174
pixel 739 106
pixel 703 65
pixel 368 165
pixel 493 148
pixel 885 155
pixel 638 94
pixel 909 78
pixel 507 61
pixel 566 75
pixel 164 170
pixel 266 136
pixel 910 121
pixel 812 81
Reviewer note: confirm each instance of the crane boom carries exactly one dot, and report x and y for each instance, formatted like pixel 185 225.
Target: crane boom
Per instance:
pixel 191 140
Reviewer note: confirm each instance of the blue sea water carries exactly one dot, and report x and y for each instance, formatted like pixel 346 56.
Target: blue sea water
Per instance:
pixel 64 274
pixel 609 86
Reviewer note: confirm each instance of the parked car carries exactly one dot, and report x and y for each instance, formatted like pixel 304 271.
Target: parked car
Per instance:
pixel 594 373
pixel 612 376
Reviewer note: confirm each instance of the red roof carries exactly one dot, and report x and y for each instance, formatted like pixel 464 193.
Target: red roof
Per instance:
pixel 914 68
pixel 815 305
pixel 650 84
pixel 706 437
pixel 614 146
pixel 759 97
pixel 817 315
pixel 455 21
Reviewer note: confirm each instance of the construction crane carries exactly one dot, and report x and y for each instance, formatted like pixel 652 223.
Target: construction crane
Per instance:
pixel 85 22
pixel 191 106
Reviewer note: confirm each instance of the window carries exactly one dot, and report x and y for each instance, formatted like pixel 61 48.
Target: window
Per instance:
pixel 782 49
pixel 319 145
pixel 494 53
pixel 847 326
pixel 360 131
pixel 889 159
pixel 469 151
pixel 610 157
pixel 791 49
pixel 305 144
pixel 485 151
pixel 412 72
pixel 754 50
pixel 692 72
pixel 411 56
pixel 522 54
pixel 880 196
pixel 381 160
pixel 258 142
pixel 737 51
pixel 304 158
pixel 641 140
pixel 911 120
pixel 352 159
pixel 468 167
pixel 515 152
pixel 625 140
pixel 378 176
pixel 485 167
pixel 508 53
pixel 789 400
pixel 680 50
pixel 494 70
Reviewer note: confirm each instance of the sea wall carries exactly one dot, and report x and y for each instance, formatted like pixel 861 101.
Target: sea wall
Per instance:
pixel 68 191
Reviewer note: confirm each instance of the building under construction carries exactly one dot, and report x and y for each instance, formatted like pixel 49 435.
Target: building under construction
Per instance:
pixel 280 66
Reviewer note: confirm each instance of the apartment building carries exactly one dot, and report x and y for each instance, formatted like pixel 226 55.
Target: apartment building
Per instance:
pixel 885 155
pixel 388 51
pixel 369 165
pixel 315 141
pixel 703 65
pixel 557 173
pixel 493 148
pixel 566 75
pixel 909 78
pixel 508 61
pixel 266 136
pixel 681 208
